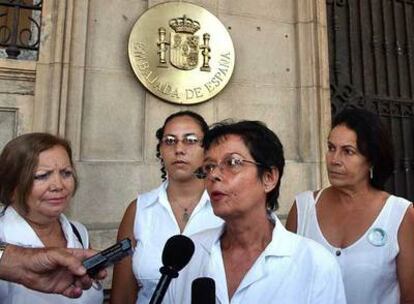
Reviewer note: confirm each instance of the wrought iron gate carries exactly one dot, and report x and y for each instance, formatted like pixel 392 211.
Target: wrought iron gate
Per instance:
pixel 371 59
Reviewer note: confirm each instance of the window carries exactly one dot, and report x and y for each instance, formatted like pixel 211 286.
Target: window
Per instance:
pixel 20 29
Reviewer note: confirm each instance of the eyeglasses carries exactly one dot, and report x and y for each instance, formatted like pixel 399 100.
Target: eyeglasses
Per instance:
pixel 229 165
pixel 188 140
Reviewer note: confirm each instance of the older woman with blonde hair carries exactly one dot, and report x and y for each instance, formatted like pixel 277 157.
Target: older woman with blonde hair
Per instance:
pixel 37 182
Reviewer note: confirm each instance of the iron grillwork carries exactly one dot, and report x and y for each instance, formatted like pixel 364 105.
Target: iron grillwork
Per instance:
pixel 371 59
pixel 19 29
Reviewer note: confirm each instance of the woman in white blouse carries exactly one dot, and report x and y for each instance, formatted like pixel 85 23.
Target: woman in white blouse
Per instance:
pixel 179 205
pixel 369 231
pixel 37 182
pixel 252 257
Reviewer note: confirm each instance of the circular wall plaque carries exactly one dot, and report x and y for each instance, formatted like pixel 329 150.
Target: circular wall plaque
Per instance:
pixel 181 52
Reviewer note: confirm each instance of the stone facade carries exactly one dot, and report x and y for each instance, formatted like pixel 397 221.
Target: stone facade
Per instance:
pixel 82 87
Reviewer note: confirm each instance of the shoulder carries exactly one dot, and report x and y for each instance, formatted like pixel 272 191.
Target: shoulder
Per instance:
pixel 400 210
pixel 126 227
pixel 407 224
pixel 131 209
pixel 400 201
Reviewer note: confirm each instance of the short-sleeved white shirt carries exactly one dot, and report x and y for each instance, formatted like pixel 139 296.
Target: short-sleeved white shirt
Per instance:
pixel 154 224
pixel 15 230
pixel 291 270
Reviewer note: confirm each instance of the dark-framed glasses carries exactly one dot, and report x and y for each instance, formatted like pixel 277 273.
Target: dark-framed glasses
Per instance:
pixel 229 165
pixel 188 140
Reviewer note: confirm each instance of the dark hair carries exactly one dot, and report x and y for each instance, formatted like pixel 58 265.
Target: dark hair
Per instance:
pixel 373 141
pixel 263 144
pixel 160 133
pixel 18 162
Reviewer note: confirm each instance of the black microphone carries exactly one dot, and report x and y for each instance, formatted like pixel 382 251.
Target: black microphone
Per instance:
pixel 177 252
pixel 203 291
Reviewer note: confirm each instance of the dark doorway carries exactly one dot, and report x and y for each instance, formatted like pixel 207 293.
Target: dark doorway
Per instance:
pixel 371 59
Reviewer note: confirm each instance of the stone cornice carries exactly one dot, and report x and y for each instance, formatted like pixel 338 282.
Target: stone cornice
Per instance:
pixel 17 70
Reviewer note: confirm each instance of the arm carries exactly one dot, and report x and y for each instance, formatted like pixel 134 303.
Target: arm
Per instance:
pixel 50 270
pixel 405 260
pixel 292 219
pixel 124 285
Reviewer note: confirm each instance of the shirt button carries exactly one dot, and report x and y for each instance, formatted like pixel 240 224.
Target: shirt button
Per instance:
pixel 338 252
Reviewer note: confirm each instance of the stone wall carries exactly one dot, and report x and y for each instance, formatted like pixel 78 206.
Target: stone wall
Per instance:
pixel 82 87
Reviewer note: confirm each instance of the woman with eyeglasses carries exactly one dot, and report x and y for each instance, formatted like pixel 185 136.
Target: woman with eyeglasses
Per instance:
pixel 179 205
pixel 252 257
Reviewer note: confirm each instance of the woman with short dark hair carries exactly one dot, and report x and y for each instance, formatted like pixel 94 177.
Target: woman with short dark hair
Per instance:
pixel 37 182
pixel 252 257
pixel 369 231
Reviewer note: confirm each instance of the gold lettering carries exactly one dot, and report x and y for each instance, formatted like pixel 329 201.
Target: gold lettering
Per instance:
pixel 174 93
pixel 157 85
pixel 217 75
pixel 153 80
pixel 215 81
pixel 139 51
pixel 195 92
pixel 223 71
pixel 143 65
pixel 225 60
pixel 209 87
pixel 167 89
pixel 189 94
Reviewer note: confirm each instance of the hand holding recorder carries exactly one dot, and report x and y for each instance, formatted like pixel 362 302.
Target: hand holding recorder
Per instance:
pixel 107 257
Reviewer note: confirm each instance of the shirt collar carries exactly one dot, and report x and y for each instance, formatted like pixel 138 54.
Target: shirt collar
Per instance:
pixel 279 246
pixel 19 232
pixel 159 195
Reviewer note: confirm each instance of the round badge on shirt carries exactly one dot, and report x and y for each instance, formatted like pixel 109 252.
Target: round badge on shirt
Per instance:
pixel 377 237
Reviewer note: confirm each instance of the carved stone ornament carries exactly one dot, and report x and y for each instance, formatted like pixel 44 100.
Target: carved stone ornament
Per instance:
pixel 181 52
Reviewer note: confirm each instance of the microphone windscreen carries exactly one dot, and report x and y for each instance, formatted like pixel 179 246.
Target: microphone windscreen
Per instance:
pixel 203 291
pixel 177 252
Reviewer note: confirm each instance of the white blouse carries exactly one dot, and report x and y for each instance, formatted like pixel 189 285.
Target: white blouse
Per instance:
pixel 15 230
pixel 154 224
pixel 368 265
pixel 291 270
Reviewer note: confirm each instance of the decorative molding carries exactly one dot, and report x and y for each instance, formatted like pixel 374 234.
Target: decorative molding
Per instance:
pixel 17 74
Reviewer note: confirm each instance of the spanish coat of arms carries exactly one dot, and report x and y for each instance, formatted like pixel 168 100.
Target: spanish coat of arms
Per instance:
pixel 183 45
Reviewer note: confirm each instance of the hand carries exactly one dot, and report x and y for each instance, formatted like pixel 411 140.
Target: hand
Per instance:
pixel 50 270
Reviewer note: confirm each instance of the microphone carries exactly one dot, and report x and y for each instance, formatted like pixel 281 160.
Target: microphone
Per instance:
pixel 177 252
pixel 203 291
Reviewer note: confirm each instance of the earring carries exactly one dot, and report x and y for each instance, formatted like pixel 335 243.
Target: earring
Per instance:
pixel 371 173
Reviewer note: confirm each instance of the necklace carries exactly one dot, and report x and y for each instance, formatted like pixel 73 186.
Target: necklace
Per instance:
pixel 187 211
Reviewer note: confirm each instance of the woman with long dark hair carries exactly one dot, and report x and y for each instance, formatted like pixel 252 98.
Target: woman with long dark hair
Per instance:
pixel 368 230
pixel 179 205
